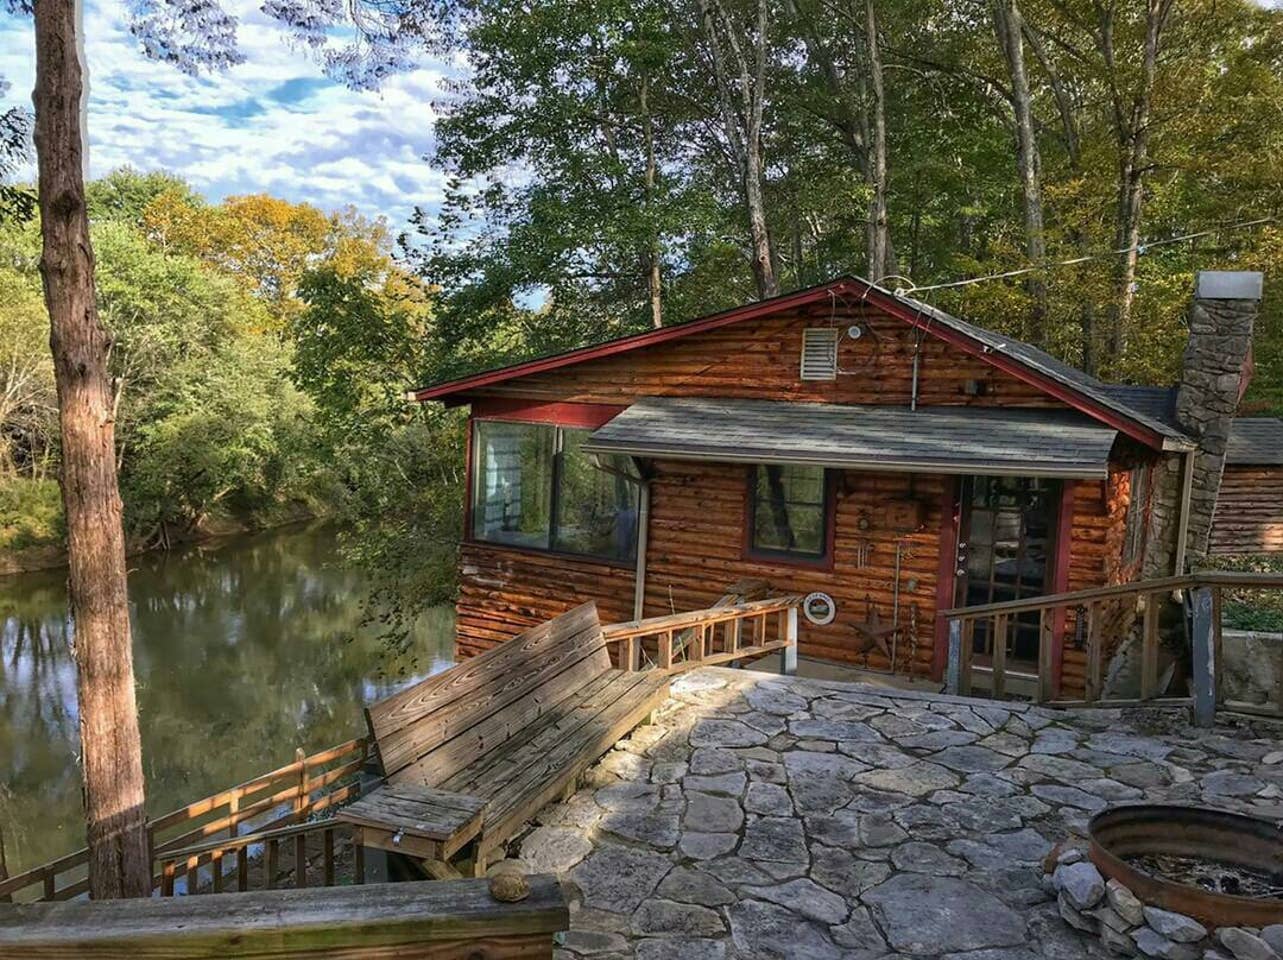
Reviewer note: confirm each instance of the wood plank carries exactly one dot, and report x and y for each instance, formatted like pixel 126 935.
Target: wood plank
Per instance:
pixel 415 920
pixel 1149 648
pixel 472 778
pixel 578 743
pixel 434 767
pixel 1095 660
pixel 999 661
pixel 414 721
pixel 521 798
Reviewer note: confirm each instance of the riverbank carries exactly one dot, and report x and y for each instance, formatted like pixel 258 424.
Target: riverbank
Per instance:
pixel 32 537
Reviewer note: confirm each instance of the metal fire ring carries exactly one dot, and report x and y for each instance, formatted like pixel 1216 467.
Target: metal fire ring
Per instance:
pixel 1217 836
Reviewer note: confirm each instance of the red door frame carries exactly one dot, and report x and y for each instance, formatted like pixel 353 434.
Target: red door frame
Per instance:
pixel 947 571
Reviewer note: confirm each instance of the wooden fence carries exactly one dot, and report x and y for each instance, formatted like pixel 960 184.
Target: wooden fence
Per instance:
pixel 1093 623
pixel 716 635
pixel 416 921
pixel 291 794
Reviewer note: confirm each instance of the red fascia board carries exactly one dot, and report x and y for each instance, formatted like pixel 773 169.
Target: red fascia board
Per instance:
pixel 585 415
pixel 623 344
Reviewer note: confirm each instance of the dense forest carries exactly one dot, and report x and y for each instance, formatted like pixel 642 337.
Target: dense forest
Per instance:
pixel 612 167
pixel 649 162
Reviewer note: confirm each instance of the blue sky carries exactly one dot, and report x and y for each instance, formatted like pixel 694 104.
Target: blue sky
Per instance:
pixel 272 124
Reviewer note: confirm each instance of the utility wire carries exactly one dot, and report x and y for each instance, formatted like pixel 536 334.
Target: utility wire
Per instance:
pixel 1140 248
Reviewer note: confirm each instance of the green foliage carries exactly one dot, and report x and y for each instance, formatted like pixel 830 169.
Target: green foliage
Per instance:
pixel 550 221
pixel 30 513
pixel 1253 609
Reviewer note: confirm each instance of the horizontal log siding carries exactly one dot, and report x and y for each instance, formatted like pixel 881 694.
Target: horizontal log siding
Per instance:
pixel 502 592
pixel 1249 512
pixel 1095 560
pixel 760 359
pixel 697 549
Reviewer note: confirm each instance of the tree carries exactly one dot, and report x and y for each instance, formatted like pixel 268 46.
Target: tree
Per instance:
pixel 111 751
pixel 738 47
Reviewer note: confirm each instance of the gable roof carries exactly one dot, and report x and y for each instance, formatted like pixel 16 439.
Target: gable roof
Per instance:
pixel 1022 360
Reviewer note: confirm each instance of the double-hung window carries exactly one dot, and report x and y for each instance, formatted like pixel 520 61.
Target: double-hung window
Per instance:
pixel 533 486
pixel 789 512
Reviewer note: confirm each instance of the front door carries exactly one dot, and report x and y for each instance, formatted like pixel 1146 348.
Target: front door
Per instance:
pixel 1005 551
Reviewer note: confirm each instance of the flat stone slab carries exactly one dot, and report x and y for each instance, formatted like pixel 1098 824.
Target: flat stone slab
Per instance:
pixel 925 915
pixel 768 817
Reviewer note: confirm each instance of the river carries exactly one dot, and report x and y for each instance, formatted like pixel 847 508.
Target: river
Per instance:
pixel 243 650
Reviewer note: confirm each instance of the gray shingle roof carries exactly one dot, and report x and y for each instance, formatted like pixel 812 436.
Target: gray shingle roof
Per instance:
pixel 1158 403
pixel 1048 365
pixel 1255 441
pixel 978 440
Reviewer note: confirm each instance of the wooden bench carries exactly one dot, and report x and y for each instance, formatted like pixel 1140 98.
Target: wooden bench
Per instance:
pixel 508 731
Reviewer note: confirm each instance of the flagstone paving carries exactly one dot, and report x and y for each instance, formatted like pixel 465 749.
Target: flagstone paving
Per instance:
pixel 772 817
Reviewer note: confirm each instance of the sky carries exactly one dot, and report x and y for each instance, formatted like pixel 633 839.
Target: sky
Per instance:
pixel 272 124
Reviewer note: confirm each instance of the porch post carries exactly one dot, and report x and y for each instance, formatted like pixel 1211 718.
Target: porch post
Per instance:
pixel 1205 665
pixel 953 673
pixel 788 656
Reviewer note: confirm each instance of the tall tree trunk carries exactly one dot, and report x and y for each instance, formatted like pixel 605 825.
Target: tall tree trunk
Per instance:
pixel 741 106
pixel 1009 26
pixel 1131 124
pixel 879 242
pixel 654 277
pixel 111 754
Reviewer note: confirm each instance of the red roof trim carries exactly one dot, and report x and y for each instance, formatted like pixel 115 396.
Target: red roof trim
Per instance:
pixel 623 344
pixel 454 389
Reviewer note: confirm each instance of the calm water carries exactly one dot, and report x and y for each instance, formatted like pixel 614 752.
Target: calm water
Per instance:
pixel 243 651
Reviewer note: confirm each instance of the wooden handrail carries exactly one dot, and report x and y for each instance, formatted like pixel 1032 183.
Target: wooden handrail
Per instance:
pixel 1207 578
pixel 422 918
pixel 289 779
pixel 627 629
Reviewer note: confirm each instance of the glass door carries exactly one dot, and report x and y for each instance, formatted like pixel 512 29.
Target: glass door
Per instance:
pixel 1005 549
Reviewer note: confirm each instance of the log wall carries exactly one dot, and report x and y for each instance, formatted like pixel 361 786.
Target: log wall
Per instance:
pixel 760 359
pixel 1249 511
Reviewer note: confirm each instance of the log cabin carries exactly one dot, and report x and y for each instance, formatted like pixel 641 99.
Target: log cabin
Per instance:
pixel 851 444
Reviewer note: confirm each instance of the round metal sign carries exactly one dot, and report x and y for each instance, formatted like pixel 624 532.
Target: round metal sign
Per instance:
pixel 819 608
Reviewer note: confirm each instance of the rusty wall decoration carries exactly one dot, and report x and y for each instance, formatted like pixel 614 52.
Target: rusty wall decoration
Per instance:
pixel 872 634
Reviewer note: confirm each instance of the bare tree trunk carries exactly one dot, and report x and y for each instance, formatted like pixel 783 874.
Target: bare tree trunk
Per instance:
pixel 879 247
pixel 654 278
pixel 1131 124
pixel 1009 26
pixel 111 755
pixel 742 104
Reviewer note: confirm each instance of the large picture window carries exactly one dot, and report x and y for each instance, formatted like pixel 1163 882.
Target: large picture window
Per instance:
pixel 788 508
pixel 534 487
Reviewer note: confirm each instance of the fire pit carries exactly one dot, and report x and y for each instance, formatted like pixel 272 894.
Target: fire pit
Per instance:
pixel 1221 868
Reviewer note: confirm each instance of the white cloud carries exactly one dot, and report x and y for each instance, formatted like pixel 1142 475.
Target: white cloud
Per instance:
pixel 272 123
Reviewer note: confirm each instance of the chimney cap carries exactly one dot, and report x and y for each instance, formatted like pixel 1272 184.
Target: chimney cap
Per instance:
pixel 1229 285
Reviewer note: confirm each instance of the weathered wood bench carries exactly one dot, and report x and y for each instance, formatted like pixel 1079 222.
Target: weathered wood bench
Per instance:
pixel 504 732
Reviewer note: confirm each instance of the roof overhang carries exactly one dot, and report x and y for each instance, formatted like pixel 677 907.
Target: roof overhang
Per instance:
pixel 949 440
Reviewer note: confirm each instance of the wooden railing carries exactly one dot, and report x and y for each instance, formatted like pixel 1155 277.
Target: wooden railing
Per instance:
pixel 454 918
pixel 290 794
pixel 1077 632
pixel 716 635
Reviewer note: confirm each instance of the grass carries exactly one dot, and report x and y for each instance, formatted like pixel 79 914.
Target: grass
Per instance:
pixel 1253 609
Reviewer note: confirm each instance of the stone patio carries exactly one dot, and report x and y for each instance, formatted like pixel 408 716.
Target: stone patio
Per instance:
pixel 764 816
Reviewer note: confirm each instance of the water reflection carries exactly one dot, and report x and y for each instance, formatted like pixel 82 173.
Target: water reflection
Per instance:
pixel 242 651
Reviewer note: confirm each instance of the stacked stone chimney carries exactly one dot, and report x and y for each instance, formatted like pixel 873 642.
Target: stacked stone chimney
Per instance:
pixel 1214 376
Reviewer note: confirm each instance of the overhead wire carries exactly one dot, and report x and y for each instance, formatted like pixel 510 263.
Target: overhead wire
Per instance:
pixel 1139 248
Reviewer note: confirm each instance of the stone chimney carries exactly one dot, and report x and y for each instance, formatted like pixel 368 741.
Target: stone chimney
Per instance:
pixel 1214 376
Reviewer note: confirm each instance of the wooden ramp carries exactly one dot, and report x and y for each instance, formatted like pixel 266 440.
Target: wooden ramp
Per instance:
pixel 471 753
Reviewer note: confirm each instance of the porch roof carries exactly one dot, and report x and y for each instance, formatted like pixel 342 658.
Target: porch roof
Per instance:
pixel 954 440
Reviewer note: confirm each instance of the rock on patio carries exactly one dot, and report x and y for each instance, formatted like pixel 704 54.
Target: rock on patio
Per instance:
pixel 764 816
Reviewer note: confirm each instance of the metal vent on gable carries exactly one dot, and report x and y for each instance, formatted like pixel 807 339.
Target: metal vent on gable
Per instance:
pixel 819 353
